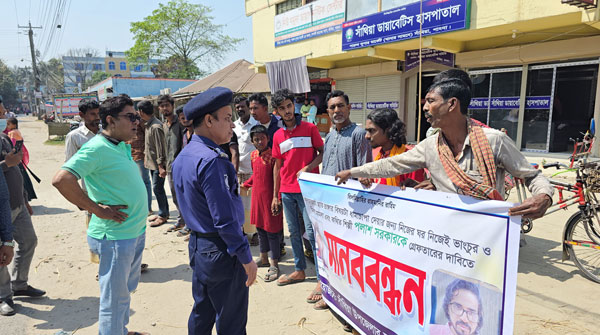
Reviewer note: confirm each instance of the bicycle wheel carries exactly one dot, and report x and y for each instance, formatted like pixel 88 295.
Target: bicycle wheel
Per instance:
pixel 582 235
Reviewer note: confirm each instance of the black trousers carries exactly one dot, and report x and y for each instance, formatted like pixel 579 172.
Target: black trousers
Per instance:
pixel 219 288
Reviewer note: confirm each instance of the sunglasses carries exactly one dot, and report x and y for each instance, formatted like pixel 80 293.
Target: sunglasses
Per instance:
pixel 132 117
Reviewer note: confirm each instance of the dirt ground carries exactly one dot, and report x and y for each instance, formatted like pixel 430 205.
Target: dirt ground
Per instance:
pixel 552 296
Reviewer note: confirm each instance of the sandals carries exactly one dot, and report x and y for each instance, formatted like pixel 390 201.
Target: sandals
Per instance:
pixel 261 264
pixel 184 232
pixel 174 227
pixel 158 222
pixel 272 275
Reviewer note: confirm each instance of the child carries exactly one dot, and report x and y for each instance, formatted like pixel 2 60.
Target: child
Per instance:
pixel 265 211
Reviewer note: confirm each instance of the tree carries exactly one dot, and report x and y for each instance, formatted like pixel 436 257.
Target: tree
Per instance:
pixel 52 76
pixel 79 65
pixel 183 35
pixel 97 77
pixel 174 67
pixel 8 86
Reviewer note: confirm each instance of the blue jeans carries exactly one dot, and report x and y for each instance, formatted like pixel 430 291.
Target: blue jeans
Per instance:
pixel 146 178
pixel 158 185
pixel 290 201
pixel 118 275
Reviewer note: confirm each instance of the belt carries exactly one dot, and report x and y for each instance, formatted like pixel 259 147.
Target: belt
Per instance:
pixel 197 234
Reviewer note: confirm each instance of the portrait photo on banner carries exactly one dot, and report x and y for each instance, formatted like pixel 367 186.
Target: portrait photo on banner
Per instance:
pixel 468 305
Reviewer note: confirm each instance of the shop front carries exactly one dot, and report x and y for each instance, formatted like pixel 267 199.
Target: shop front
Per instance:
pixel 559 102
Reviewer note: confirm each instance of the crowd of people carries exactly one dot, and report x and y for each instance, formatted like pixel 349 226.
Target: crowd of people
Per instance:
pixel 233 183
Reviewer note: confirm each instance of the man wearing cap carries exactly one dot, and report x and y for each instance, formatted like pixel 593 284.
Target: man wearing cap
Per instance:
pixel 207 189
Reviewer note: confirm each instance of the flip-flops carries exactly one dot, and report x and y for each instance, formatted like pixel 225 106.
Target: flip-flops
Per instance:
pixel 287 281
pixel 320 305
pixel 314 293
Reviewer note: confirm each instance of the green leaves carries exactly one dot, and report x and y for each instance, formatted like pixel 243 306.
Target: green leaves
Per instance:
pixel 8 89
pixel 181 35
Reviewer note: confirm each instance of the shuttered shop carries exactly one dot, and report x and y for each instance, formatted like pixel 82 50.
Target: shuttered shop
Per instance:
pixel 383 91
pixel 355 89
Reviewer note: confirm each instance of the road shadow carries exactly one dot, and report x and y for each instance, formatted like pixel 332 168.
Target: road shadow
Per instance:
pixel 541 256
pixel 43 210
pixel 163 275
pixel 60 314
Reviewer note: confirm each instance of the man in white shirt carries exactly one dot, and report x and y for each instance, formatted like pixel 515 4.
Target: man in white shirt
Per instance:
pixel 89 112
pixel 242 129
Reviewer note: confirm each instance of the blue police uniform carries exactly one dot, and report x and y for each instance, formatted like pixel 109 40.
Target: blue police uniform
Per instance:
pixel 207 189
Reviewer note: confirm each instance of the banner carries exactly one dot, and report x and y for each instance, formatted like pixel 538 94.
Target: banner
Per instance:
pixel 411 58
pixel 356 105
pixel 382 104
pixel 311 20
pixel 413 261
pixel 68 104
pixel 403 23
pixel 538 102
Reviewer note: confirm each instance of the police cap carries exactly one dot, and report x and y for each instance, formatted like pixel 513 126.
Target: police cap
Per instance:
pixel 207 102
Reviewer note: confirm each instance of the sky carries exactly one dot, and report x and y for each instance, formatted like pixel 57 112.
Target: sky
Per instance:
pixel 101 24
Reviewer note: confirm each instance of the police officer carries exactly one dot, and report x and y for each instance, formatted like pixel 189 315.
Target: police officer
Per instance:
pixel 206 186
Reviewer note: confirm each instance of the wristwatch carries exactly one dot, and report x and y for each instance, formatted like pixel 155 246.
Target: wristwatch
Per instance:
pixel 8 244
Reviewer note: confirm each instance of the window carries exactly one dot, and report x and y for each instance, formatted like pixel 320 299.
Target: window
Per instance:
pixel 360 8
pixel 138 68
pixel 97 67
pixel 78 79
pixel 389 4
pixel 123 66
pixel 78 66
pixel 289 5
pixel 111 65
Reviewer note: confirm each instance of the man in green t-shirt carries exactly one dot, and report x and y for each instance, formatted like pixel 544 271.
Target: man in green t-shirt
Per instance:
pixel 117 199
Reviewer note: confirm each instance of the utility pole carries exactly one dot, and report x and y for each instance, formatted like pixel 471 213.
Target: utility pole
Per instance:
pixel 36 74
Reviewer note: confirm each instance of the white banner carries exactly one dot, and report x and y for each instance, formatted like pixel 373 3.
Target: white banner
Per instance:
pixel 414 261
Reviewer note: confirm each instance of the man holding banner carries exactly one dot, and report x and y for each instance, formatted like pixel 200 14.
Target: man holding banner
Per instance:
pixel 463 158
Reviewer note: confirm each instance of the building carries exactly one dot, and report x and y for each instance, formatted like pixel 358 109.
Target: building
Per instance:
pixel 136 87
pixel 78 69
pixel 543 52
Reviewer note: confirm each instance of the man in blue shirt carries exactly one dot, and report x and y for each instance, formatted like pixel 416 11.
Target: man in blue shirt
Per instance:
pixel 208 192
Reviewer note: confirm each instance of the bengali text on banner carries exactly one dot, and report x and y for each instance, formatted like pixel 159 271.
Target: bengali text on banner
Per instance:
pixel 413 261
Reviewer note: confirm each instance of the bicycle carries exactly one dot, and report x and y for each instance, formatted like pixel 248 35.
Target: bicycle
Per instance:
pixel 581 233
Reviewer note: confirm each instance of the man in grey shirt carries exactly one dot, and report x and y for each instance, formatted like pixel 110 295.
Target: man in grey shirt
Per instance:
pixel 23 233
pixel 173 135
pixel 446 105
pixel 155 160
pixel 345 145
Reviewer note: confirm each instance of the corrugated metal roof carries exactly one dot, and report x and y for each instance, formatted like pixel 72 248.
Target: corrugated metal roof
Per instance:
pixel 237 76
